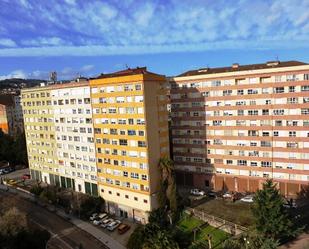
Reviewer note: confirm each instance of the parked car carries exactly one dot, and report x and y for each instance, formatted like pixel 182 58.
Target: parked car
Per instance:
pixel 112 226
pixel 212 194
pixel 106 222
pixel 103 216
pixel 93 216
pixel 25 176
pixel 197 192
pixel 11 182
pixel 227 195
pixel 123 228
pixel 248 198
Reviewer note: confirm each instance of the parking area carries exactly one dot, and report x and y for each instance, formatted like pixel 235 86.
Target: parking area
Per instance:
pixel 119 229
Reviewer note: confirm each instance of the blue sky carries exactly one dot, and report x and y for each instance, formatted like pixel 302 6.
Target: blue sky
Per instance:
pixel 89 37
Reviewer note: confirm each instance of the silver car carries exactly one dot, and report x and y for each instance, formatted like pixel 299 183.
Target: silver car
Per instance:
pixel 112 226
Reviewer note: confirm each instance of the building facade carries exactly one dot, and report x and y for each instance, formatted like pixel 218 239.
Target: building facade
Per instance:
pixel 11 115
pixel 102 137
pixel 131 134
pixel 59 135
pixel 234 127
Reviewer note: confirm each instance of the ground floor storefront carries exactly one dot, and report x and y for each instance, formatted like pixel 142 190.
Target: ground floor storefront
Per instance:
pixel 78 185
pixel 123 211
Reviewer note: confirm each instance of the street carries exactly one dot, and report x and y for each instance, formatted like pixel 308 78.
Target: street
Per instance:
pixel 64 235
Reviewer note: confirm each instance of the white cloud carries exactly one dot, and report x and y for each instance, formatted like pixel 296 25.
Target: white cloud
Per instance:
pixel 7 42
pixel 45 41
pixel 87 68
pixel 25 4
pixel 70 2
pixel 101 28
pixel 14 74
pixel 267 43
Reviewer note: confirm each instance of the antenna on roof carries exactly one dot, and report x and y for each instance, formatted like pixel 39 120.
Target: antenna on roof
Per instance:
pixel 127 66
pixel 277 58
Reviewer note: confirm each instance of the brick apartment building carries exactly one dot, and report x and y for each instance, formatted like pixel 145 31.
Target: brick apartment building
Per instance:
pixel 233 127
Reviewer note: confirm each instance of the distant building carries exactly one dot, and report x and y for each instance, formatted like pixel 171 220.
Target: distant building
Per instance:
pixel 11 114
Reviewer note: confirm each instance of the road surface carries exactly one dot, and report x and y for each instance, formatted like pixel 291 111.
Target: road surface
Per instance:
pixel 64 235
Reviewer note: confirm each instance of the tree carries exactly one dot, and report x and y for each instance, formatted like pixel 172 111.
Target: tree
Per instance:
pixel 271 218
pixel 152 236
pixel 250 240
pixel 12 223
pixel 167 193
pixel 15 233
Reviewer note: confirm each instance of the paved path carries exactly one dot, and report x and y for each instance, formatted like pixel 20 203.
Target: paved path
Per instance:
pixel 92 231
pixel 302 242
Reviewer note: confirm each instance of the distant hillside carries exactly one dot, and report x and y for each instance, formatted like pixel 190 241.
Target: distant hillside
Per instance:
pixel 18 83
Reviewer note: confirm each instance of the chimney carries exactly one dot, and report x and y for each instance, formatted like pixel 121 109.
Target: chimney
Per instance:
pixel 235 65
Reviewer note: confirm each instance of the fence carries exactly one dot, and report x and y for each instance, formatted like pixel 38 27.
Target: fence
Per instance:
pixel 217 222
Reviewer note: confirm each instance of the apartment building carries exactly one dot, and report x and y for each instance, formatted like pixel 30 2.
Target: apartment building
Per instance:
pixel 11 116
pixel 233 127
pixel 131 134
pixel 59 134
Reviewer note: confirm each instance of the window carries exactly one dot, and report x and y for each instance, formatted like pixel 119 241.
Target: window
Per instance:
pixel 227 92
pixel 305 111
pixel 266 164
pixel 240 92
pixel 291 89
pixel 141 144
pixel 292 100
pixel 279 90
pixel 135 199
pixel 291 77
pixel 252 91
pixel 292 133
pixel 305 88
pixel 306 76
pixel 278 112
pixel 123 142
pixel 242 162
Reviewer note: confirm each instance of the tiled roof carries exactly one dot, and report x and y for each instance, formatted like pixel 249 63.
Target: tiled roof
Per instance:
pixel 126 72
pixel 235 67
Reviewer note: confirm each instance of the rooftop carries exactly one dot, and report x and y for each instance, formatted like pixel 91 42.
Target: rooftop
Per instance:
pixel 127 72
pixel 236 67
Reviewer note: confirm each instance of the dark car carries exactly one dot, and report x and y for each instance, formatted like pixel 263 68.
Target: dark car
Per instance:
pixel 123 228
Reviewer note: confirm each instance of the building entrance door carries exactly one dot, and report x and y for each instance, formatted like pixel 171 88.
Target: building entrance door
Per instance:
pixel 123 213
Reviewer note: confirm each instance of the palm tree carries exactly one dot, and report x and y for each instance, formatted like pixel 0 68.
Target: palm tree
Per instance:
pixel 166 166
pixel 167 193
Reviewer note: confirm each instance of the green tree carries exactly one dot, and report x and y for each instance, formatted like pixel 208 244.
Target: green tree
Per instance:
pixel 271 218
pixel 250 240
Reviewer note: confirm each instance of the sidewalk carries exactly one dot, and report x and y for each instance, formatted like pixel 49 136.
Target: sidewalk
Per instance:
pixel 83 225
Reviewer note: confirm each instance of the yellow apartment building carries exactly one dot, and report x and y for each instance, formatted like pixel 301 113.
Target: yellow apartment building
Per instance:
pixel 131 134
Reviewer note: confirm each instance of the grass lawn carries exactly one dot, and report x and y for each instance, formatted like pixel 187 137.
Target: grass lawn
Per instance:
pixel 187 224
pixel 237 212
pixel 217 235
